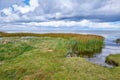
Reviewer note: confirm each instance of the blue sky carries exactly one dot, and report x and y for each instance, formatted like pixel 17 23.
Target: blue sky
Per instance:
pixel 84 14
pixel 27 2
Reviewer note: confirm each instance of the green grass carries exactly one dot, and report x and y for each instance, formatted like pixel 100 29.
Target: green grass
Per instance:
pixel 44 59
pixel 78 44
pixel 13 49
pixel 113 59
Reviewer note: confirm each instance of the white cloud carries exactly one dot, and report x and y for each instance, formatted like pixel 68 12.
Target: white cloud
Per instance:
pixel 84 24
pixel 10 16
pixel 13 13
pixel 62 13
pixel 111 7
pixel 27 8
pixel 97 9
pixel 7 11
pixel 79 24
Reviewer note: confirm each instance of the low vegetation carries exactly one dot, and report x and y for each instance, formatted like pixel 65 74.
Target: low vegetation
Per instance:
pixel 113 59
pixel 43 58
pixel 8 51
pixel 78 44
pixel 118 41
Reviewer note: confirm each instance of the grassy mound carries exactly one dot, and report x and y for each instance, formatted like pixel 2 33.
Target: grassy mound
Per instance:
pixel 113 59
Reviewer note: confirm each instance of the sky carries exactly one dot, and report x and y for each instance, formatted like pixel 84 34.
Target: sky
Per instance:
pixel 78 14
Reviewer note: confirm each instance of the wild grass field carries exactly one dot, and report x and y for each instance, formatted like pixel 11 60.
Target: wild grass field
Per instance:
pixel 43 57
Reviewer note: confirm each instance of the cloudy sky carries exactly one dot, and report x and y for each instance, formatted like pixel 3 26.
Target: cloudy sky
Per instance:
pixel 37 14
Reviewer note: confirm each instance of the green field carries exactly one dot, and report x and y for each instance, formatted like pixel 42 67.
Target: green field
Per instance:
pixel 43 57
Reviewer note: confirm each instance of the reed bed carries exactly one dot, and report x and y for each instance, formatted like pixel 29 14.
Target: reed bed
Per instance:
pixel 85 47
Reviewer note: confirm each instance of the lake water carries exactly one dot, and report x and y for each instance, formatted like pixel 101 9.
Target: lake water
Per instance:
pixel 110 46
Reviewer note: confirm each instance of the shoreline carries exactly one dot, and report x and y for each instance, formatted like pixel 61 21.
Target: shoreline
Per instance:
pixel 54 35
